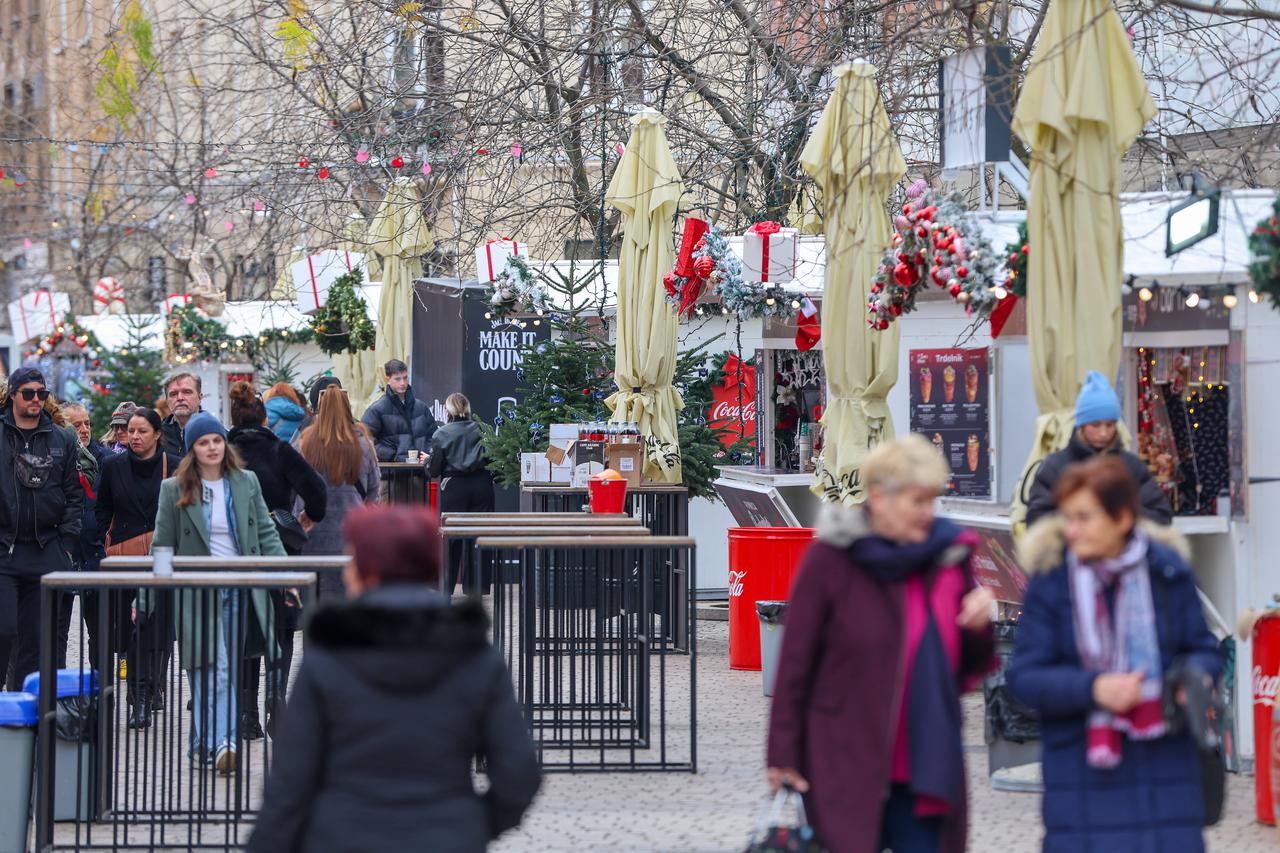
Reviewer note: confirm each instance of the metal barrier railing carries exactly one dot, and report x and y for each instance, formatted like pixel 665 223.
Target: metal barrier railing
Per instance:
pixel 104 781
pixel 579 625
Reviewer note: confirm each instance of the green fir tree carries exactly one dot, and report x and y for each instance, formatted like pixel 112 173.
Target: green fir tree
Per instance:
pixel 133 372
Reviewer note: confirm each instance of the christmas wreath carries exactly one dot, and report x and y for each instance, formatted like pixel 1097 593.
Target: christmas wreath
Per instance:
pixel 516 290
pixel 1264 245
pixel 343 324
pixel 706 262
pixel 68 330
pixel 934 241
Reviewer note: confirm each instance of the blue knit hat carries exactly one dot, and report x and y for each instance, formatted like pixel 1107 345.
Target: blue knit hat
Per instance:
pixel 202 424
pixel 1098 401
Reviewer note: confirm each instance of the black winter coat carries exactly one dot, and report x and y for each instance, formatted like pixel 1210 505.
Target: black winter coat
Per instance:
pixel 129 494
pixel 1040 502
pixel 54 508
pixel 89 551
pixel 456 449
pixel 399 426
pixel 282 472
pixel 171 437
pixel 397 695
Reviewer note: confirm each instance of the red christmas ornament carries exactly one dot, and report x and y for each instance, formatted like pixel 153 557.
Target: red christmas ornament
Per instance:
pixel 1026 250
pixel 704 266
pixel 906 209
pixel 303 162
pixel 896 309
pixel 882 325
pixel 902 275
pixel 397 162
pixel 954 290
pixel 323 172
pixel 962 272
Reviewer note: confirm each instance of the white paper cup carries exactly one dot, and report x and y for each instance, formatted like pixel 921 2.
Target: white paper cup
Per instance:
pixel 163 562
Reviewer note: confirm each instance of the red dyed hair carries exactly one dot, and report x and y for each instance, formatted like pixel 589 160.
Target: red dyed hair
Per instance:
pixel 394 544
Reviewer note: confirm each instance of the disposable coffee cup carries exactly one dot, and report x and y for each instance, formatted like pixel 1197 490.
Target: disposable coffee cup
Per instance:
pixel 163 562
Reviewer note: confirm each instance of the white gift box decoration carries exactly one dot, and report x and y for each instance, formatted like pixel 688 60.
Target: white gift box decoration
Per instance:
pixel 313 275
pixel 493 256
pixel 769 253
pixel 37 314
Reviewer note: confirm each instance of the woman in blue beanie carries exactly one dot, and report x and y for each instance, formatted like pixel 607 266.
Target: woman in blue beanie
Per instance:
pixel 1097 415
pixel 212 506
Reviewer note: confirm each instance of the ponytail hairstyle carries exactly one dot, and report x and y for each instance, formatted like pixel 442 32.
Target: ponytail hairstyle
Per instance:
pixel 246 407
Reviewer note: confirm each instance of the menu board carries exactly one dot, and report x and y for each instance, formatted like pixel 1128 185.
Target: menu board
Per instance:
pixel 951 406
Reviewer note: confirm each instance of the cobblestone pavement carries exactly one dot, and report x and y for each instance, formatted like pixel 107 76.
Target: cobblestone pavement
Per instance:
pixel 713 810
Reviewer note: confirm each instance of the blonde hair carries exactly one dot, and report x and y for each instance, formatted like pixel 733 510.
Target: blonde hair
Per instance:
pixel 458 407
pixel 908 461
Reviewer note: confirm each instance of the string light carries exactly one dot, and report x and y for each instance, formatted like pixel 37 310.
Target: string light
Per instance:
pixel 1230 300
pixel 1253 296
pixel 1145 294
pixel 1193 299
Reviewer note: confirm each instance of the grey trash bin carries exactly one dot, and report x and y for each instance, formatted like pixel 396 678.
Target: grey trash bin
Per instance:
pixel 17 750
pixel 770 613
pixel 76 733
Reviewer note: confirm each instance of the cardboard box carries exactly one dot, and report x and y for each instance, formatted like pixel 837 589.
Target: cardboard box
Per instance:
pixel 561 474
pixel 627 460
pixel 582 473
pixel 535 468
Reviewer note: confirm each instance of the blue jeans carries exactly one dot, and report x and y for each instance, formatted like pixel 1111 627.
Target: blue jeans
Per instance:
pixel 214 710
pixel 901 830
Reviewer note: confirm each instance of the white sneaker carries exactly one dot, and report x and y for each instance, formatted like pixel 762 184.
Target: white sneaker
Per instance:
pixel 225 761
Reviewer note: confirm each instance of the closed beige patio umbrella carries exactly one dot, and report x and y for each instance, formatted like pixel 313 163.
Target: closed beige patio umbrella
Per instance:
pixel 1082 105
pixel 854 157
pixel 399 234
pixel 646 189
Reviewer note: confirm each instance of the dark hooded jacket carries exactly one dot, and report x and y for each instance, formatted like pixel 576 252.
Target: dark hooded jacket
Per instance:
pixel 399 426
pixel 51 512
pixel 1155 506
pixel 398 694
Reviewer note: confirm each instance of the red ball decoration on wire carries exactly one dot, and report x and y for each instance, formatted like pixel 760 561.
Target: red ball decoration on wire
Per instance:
pixel 322 172
pixel 303 162
pixel 397 162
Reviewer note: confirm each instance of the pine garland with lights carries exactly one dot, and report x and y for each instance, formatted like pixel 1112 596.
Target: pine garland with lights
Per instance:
pixel 935 241
pixel 1264 246
pixel 69 330
pixel 343 324
pixel 517 291
pixel 190 336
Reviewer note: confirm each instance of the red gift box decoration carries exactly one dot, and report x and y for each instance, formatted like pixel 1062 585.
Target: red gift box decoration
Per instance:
pixel 694 230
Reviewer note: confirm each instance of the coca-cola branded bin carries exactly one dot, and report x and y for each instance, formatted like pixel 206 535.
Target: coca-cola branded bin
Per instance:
pixel 762 564
pixel 1266 678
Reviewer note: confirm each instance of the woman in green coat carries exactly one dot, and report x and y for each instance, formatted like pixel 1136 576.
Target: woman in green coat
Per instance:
pixel 213 507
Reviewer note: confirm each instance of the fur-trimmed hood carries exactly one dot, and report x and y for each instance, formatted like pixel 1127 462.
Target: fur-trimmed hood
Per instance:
pixel 400 638
pixel 1041 548
pixel 840 527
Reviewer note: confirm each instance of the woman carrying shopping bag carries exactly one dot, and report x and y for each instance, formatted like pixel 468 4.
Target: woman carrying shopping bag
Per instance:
pixel 213 507
pixel 884 629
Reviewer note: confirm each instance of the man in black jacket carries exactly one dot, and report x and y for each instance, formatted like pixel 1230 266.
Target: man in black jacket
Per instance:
pixel 40 504
pixel 184 393
pixel 1097 412
pixel 399 421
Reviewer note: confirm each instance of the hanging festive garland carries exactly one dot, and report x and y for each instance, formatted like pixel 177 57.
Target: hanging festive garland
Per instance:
pixel 1264 245
pixel 1019 251
pixel 935 241
pixel 68 330
pixel 343 324
pixel 715 265
pixel 191 336
pixel 517 290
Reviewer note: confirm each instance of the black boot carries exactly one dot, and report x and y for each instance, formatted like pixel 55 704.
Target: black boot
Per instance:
pixel 140 708
pixel 157 699
pixel 250 727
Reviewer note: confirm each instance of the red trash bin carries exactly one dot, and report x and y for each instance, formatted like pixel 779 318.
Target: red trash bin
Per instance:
pixel 1266 678
pixel 762 564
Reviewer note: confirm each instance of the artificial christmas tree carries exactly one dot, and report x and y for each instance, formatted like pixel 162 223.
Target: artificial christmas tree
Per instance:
pixel 134 372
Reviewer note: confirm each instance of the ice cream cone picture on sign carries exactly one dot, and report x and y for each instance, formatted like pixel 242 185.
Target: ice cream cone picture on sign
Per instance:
pixel 972 448
pixel 926 384
pixel 971 383
pixel 949 384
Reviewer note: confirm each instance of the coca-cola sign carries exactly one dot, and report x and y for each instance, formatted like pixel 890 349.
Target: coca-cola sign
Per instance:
pixel 733 403
pixel 1264 688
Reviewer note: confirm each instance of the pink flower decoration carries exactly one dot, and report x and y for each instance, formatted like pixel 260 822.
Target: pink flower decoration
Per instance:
pixel 901 222
pixel 26 244
pixel 190 199
pixel 258 206
pixel 426 168
pixel 230 226
pixel 362 156
pixel 620 149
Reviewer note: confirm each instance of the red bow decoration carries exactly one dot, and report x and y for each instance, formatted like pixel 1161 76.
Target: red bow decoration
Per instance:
pixel 690 274
pixel 765 228
pixel 738 372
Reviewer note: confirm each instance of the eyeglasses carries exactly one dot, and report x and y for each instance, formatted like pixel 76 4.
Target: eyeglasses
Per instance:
pixel 30 394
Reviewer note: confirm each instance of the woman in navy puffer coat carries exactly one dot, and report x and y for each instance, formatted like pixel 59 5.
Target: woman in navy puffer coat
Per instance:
pixel 1108 788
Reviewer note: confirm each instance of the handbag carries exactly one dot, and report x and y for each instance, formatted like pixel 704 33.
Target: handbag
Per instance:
pixel 773 835
pixel 1196 717
pixel 292 536
pixel 140 545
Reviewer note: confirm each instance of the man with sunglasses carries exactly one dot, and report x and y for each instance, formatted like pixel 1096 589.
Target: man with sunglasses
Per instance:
pixel 40 502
